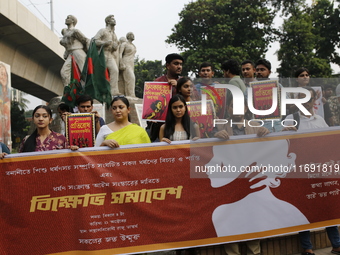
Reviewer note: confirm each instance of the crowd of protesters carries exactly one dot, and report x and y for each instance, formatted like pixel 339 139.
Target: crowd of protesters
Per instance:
pixel 179 126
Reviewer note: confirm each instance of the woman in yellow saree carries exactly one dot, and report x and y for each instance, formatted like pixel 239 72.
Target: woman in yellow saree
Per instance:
pixel 121 131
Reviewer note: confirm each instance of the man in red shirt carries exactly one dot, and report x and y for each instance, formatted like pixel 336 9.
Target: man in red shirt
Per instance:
pixel 173 63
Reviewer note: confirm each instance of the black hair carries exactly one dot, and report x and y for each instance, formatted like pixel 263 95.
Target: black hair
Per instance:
pixel 205 64
pixel 84 98
pixel 124 100
pixel 64 107
pixel 247 61
pixel 170 120
pixel 233 66
pixel 153 104
pixel 264 62
pixel 31 142
pixel 170 57
pixel 300 71
pixel 180 83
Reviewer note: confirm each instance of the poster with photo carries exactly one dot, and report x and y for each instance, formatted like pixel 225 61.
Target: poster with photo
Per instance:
pixel 155 100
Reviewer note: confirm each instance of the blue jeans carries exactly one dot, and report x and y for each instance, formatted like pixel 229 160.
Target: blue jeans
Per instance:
pixel 332 233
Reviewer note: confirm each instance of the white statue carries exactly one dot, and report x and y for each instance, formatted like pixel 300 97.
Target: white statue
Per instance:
pixel 127 51
pixel 107 39
pixel 76 44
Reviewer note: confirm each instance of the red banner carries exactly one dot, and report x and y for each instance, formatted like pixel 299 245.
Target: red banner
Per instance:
pixel 133 200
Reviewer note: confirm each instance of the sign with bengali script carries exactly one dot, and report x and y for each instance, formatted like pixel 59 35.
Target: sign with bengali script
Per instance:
pixel 204 122
pixel 219 98
pixel 80 129
pixel 145 198
pixel 155 100
pixel 263 98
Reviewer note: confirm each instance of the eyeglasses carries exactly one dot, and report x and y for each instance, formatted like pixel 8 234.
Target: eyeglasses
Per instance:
pixel 119 96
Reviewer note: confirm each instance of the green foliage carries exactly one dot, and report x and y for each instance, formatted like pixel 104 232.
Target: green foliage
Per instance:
pixel 217 30
pixel 19 124
pixel 146 71
pixel 309 37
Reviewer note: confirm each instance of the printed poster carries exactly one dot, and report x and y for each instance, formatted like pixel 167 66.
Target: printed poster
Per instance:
pixel 263 98
pixel 155 100
pixel 5 105
pixel 219 98
pixel 204 122
pixel 80 129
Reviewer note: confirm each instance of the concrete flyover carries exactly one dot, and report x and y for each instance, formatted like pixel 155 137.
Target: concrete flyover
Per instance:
pixel 32 50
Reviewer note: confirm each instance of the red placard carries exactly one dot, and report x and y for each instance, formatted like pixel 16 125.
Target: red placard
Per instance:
pixel 263 98
pixel 80 129
pixel 204 122
pixel 155 100
pixel 219 98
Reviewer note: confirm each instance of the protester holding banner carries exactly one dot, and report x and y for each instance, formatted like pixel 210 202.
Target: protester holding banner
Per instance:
pixel 63 109
pixel 85 105
pixel 43 138
pixel 303 123
pixel 121 131
pixel 178 125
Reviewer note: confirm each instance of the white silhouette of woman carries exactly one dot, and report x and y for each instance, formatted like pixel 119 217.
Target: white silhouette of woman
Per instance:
pixel 260 210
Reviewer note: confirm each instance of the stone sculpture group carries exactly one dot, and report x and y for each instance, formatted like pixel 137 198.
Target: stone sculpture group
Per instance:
pixel 119 55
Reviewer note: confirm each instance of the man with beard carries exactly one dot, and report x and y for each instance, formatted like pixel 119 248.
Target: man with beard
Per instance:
pixel 173 63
